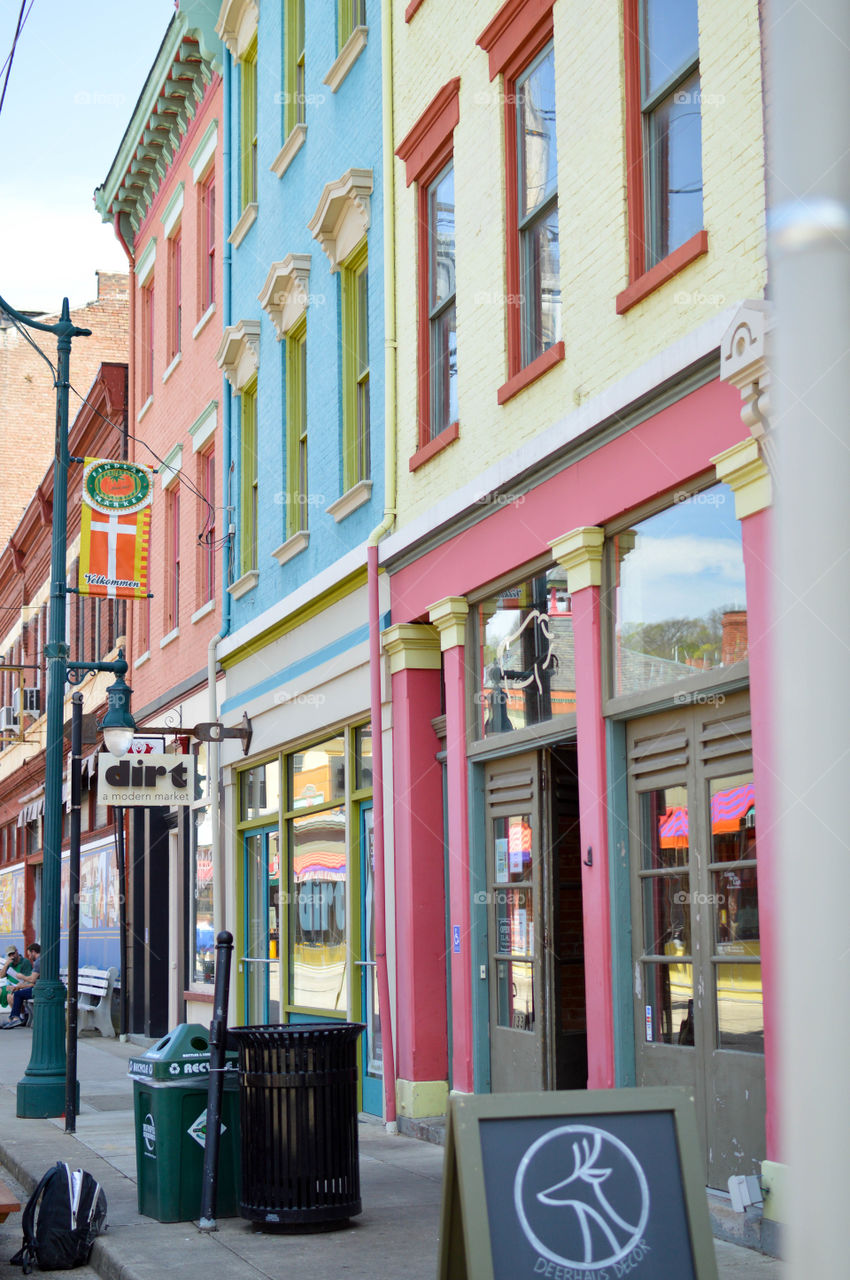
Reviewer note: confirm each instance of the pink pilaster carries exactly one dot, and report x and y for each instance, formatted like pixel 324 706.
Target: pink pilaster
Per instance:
pixel 449 617
pixel 755 530
pixel 592 785
pixel 580 553
pixel 421 1020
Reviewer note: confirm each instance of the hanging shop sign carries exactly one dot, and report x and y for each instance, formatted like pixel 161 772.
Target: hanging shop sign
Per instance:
pixel 575 1186
pixel 115 529
pixel 145 780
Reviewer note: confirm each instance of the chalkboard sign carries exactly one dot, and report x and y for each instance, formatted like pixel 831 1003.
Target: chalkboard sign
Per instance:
pixel 575 1186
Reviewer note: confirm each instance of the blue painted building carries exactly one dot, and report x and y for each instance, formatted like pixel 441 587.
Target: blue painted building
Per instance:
pixel 302 355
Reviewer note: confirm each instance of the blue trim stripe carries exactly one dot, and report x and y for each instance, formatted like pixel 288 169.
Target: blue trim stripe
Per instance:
pixel 295 669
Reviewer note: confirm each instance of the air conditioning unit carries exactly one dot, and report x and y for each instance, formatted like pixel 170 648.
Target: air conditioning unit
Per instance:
pixel 8 719
pixel 31 701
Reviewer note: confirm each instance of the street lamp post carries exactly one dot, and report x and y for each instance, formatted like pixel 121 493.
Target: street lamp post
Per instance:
pixel 42 1090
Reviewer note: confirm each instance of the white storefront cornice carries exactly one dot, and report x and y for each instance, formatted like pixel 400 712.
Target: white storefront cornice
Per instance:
pixel 237 25
pixel 343 214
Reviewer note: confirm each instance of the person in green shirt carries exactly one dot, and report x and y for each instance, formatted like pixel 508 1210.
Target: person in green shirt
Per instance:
pixel 15 966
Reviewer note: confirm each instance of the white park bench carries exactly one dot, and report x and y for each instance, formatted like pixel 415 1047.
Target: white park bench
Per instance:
pixel 94 998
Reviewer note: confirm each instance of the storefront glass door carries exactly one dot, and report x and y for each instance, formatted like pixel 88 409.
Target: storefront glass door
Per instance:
pixel 371 1044
pixel 261 962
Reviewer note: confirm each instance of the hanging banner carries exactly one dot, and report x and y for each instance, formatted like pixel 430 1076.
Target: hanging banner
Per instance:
pixel 115 528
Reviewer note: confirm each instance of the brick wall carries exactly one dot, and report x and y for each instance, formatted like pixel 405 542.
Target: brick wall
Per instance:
pixel 601 346
pixel 28 397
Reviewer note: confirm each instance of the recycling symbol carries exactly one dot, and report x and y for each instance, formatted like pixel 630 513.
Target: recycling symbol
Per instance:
pixel 175 1068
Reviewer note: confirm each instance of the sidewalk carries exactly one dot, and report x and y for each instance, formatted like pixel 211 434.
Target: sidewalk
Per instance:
pixel 395 1237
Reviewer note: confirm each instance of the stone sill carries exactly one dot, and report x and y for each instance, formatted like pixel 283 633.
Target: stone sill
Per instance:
pixel 203 611
pixel 289 150
pixel 246 221
pixel 348 55
pixel 144 408
pixel 174 363
pixel 292 547
pixel 204 320
pixel 243 585
pixel 350 500
pixel 172 635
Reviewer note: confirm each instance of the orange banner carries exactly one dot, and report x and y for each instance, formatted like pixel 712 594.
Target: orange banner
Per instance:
pixel 115 529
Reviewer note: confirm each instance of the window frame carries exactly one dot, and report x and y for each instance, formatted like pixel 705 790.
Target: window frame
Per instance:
pixel 427 150
pixel 356 444
pixel 513 40
pixel 297 457
pixel 146 340
pixel 172 557
pixel 206 483
pixel 175 294
pixel 435 312
pixel 351 14
pixel 248 101
pixel 249 480
pixel 294 68
pixel 645 279
pixel 206 243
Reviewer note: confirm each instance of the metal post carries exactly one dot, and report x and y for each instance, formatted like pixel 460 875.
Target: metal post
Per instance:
pixel 71 1086
pixel 122 920
pixel 41 1092
pixel 808 59
pixel 218 1040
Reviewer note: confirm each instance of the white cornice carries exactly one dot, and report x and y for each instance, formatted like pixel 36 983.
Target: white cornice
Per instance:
pixel 286 292
pixel 239 353
pixel 343 214
pixel 237 24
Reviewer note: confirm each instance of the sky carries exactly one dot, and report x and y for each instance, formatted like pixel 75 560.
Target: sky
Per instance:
pixel 76 76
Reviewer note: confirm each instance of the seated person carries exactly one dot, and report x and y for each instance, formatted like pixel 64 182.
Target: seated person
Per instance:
pixel 24 990
pixel 14 966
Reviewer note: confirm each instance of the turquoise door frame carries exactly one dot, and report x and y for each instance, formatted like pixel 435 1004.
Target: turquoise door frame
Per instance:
pixel 256 961
pixel 372 1074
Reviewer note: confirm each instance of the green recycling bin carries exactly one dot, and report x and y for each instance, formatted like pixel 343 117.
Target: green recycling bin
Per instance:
pixel 170 1106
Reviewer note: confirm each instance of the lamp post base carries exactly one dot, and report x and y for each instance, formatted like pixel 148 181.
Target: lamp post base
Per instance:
pixel 40 1098
pixel 41 1092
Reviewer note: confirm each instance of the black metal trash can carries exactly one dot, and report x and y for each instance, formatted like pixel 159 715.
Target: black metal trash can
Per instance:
pixel 298 1105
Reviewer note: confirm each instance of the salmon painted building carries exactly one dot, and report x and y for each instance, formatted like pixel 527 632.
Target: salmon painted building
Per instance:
pixel 162 197
pixel 578 570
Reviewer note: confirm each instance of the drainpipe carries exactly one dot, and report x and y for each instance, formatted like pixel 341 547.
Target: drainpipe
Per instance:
pixel 219 903
pixel 390 364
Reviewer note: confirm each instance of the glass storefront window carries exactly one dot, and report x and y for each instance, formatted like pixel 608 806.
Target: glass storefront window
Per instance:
pixel 679 593
pixel 363 757
pixel 259 791
pixel 317 774
pixel 317 925
pixel 202 929
pixel 527 655
pixel 737 944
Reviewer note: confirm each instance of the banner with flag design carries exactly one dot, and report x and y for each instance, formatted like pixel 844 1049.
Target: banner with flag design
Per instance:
pixel 115 529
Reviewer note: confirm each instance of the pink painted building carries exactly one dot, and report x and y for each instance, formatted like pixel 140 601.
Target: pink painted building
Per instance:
pixel 579 648
pixel 162 195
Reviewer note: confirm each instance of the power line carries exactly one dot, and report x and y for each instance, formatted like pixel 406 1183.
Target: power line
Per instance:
pixel 10 58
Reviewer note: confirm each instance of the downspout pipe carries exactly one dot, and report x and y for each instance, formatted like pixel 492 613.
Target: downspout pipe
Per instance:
pixel 390 371
pixel 219 902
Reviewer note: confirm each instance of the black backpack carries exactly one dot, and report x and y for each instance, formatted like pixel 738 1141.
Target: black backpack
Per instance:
pixel 62 1217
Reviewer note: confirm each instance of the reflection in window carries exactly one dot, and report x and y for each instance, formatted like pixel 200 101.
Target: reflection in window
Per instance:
pixel 203 932
pixel 259 791
pixel 527 668
pixel 318 774
pixel 740 1010
pixel 679 593
pixel 317 911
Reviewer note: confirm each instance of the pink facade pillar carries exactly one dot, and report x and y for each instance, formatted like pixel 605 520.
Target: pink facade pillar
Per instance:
pixel 449 617
pixel 580 553
pixel 420 909
pixel 744 470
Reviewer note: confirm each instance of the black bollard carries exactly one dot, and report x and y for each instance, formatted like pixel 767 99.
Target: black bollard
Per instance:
pixel 218 1041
